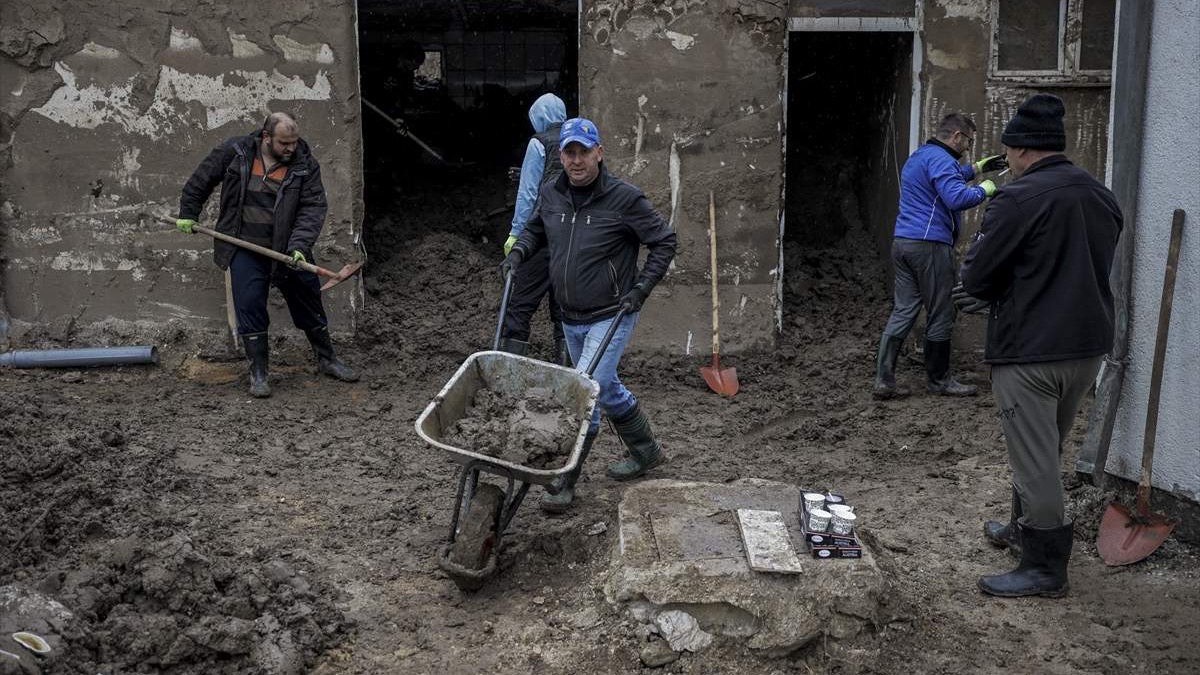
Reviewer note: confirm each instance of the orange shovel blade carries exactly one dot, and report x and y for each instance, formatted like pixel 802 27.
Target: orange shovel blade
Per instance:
pixel 721 380
pixel 1125 538
pixel 342 275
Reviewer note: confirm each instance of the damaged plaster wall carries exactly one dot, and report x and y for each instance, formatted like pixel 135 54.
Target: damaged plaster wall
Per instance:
pixel 107 108
pixel 1172 117
pixel 688 98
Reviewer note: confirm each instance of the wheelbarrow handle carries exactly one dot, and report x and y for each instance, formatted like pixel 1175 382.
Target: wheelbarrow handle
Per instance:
pixel 508 281
pixel 608 336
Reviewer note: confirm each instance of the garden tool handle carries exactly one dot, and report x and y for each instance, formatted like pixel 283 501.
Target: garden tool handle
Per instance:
pixel 508 281
pixel 712 255
pixel 608 336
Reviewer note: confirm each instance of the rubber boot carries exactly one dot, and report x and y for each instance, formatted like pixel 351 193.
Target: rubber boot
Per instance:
pixel 562 353
pixel 1043 567
pixel 561 500
pixel 937 367
pixel 327 361
pixel 258 352
pixel 1006 535
pixel 513 346
pixel 885 369
pixel 644 451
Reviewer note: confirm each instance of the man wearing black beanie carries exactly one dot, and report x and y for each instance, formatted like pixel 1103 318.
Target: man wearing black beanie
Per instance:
pixel 1040 263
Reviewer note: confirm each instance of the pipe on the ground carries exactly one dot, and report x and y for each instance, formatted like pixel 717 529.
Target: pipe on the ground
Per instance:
pixel 79 358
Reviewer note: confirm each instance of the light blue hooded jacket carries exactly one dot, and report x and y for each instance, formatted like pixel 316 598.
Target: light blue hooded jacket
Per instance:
pixel 545 112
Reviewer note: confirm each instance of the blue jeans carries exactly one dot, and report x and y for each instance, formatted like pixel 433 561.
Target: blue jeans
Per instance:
pixel 582 342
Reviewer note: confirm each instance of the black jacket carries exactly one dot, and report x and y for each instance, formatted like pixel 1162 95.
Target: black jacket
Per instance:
pixel 300 206
pixel 594 251
pixel 1043 256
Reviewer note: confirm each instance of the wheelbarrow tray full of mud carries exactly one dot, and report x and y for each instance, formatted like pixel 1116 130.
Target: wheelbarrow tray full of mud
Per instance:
pixel 482 510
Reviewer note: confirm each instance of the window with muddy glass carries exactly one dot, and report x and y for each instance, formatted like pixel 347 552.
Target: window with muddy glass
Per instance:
pixel 1052 40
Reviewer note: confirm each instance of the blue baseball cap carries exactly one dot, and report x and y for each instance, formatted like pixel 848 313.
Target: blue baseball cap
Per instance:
pixel 579 130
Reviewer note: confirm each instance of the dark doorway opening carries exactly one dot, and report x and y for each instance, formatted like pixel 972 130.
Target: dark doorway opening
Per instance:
pixel 848 103
pixel 460 77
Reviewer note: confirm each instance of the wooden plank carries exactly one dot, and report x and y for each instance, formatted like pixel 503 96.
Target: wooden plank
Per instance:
pixel 767 542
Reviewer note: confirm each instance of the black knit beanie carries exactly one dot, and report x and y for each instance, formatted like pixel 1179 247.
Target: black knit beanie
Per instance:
pixel 1038 124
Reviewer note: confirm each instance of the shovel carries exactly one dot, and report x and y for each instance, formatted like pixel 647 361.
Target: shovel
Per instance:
pixel 721 380
pixel 335 278
pixel 1127 537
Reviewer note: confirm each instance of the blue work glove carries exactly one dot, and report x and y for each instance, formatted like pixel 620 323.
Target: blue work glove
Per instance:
pixel 632 301
pixel 185 225
pixel 508 244
pixel 989 188
pixel 967 303
pixel 297 258
pixel 510 264
pixel 993 163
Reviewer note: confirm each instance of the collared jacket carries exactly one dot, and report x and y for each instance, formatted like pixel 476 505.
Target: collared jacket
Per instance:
pixel 594 249
pixel 1043 256
pixel 300 205
pixel 933 189
pixel 541 163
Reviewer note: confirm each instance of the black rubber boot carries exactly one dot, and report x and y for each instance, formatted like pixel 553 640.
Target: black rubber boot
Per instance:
pixel 562 353
pixel 327 361
pixel 561 500
pixel 513 346
pixel 1006 535
pixel 937 367
pixel 258 352
pixel 1043 567
pixel 644 451
pixel 885 369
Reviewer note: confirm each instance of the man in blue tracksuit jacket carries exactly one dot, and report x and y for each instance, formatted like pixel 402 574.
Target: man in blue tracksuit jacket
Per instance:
pixel 540 166
pixel 933 189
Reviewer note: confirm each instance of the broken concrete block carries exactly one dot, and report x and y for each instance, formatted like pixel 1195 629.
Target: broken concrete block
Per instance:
pixel 682 631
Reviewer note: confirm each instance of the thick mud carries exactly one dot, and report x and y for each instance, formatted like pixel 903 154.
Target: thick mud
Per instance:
pixel 532 429
pixel 190 529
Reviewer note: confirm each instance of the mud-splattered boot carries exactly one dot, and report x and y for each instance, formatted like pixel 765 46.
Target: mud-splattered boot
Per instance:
pixel 561 500
pixel 885 369
pixel 327 360
pixel 1006 535
pixel 644 451
pixel 258 352
pixel 1043 567
pixel 937 367
pixel 514 346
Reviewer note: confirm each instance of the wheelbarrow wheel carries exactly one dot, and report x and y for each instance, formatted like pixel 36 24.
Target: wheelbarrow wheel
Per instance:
pixel 471 559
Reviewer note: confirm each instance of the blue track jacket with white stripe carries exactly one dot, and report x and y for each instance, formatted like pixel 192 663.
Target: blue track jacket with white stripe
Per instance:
pixel 933 189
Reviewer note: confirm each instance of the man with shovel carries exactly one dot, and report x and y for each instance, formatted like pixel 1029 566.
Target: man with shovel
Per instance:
pixel 271 195
pixel 1040 263
pixel 594 225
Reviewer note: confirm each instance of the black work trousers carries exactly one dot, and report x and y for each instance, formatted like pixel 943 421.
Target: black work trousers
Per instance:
pixel 530 285
pixel 251 278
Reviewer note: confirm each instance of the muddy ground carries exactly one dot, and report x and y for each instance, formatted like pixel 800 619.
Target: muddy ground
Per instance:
pixel 190 529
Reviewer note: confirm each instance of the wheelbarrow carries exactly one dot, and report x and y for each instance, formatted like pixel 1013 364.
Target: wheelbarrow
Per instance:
pixel 482 510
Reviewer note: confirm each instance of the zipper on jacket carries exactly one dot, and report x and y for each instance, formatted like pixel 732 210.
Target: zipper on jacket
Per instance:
pixel 567 259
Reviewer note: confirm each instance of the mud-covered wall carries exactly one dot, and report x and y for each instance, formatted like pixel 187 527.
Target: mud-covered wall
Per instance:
pixel 108 105
pixel 688 98
pixel 1169 135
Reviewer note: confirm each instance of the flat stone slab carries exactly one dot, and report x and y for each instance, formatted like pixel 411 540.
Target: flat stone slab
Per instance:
pixel 679 548
pixel 767 542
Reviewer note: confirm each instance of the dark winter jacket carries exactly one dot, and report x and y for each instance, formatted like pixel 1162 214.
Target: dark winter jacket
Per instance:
pixel 594 250
pixel 300 206
pixel 1043 255
pixel 933 189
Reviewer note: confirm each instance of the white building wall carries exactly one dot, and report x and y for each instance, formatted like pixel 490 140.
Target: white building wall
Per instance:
pixel 1171 144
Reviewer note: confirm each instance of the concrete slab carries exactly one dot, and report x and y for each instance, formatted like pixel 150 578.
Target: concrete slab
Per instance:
pixel 679 549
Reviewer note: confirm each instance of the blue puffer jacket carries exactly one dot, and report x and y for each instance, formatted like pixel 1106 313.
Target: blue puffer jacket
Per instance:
pixel 933 189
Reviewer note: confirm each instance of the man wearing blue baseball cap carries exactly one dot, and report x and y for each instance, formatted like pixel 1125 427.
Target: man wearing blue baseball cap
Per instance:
pixel 595 225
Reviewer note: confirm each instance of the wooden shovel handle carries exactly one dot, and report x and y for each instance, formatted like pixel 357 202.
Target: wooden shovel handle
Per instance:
pixel 262 250
pixel 712 255
pixel 1160 354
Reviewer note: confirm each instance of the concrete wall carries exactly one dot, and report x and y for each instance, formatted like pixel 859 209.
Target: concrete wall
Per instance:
pixel 688 98
pixel 108 105
pixel 1169 135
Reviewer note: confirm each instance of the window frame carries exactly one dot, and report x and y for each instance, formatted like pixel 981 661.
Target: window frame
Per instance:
pixel 1070 41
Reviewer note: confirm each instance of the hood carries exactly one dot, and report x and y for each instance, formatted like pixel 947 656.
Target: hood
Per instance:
pixel 547 110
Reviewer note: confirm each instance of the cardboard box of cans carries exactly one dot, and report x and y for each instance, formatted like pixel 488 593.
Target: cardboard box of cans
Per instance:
pixel 827 545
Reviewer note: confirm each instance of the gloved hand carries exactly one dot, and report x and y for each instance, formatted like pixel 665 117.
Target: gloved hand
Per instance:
pixel 514 174
pixel 508 244
pixel 989 188
pixel 632 301
pixel 297 258
pixel 184 225
pixel 966 303
pixel 510 264
pixel 993 163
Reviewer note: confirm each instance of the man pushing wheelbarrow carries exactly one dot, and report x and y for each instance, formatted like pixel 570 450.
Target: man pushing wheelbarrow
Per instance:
pixel 594 225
